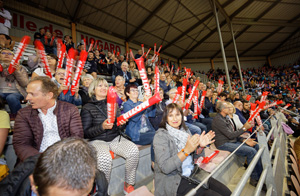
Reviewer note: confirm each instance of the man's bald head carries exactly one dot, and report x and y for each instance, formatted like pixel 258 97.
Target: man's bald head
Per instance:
pixel 238 105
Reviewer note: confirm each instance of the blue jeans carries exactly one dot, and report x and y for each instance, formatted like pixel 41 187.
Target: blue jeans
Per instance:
pixel 13 100
pixel 145 139
pixel 207 122
pixel 201 126
pixel 193 128
pixel 247 151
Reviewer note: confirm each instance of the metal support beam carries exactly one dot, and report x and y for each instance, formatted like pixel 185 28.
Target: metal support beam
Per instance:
pixel 73 28
pixel 247 27
pixel 244 6
pixel 212 64
pixel 221 43
pixel 237 58
pixel 264 23
pixel 285 40
pixel 151 15
pixel 261 40
pixel 193 27
pixel 79 5
pixel 187 31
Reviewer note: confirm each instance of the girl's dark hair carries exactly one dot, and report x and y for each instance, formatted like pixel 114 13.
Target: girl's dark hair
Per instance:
pixel 127 90
pixel 169 108
pixel 53 56
pixel 1 103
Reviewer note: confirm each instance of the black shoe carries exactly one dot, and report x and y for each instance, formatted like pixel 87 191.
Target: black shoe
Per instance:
pixel 254 183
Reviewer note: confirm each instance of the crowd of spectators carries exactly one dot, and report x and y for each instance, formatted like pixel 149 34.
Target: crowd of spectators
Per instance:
pixel 51 115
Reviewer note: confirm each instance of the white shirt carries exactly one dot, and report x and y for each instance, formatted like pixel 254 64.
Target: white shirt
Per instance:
pixel 50 135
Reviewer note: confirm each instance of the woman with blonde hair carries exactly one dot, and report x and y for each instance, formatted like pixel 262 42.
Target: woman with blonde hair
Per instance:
pixel 105 136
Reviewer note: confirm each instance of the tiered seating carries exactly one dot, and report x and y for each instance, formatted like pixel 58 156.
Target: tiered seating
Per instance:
pixel 294 183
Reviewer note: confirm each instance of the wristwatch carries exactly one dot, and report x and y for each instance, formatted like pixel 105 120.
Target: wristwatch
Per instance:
pixel 244 129
pixel 186 154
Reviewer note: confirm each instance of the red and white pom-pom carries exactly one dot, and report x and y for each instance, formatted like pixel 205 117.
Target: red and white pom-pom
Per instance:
pixel 21 48
pixel 70 61
pixel 191 95
pixel 91 45
pixel 146 104
pixel 43 57
pixel 258 120
pixel 201 102
pixel 111 104
pixel 61 56
pixel 273 104
pixel 177 95
pixel 143 74
pixel 264 96
pixel 156 78
pixel 80 65
pixel 248 97
pixel 220 85
pixel 84 44
pixel 256 111
pixel 184 84
pixel 196 106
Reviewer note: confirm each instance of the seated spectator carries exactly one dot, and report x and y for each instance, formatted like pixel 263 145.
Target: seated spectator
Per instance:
pixel 68 42
pixel 126 74
pixel 45 121
pixel 228 139
pixel 134 72
pixel 139 127
pixel 139 54
pixel 174 149
pixel 5 19
pixel 295 126
pixel 209 103
pixel 86 80
pixel 246 109
pixel 223 96
pixel 239 108
pixel 34 61
pixel 105 136
pixel 90 66
pixel 163 83
pixel 67 168
pixel 110 61
pixel 39 35
pixel 12 86
pixel 6 42
pixel 68 97
pixel 103 66
pixel 52 61
pixel 171 95
pixel 4 126
pixel 120 88
pixel 159 110
pixel 49 43
pixel 149 70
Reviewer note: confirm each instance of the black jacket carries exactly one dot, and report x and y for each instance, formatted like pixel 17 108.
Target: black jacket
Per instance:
pixel 92 119
pixel 17 182
pixel 85 98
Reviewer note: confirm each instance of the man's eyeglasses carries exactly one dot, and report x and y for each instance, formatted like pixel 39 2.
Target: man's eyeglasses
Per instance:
pixel 7 53
pixel 50 58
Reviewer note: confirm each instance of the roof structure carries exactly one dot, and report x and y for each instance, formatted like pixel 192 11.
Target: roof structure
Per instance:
pixel 187 28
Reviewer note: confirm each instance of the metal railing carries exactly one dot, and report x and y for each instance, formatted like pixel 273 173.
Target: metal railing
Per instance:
pixel 272 176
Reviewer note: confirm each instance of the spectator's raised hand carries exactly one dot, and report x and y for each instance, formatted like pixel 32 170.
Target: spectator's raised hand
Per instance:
pixel 191 144
pixel 206 139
